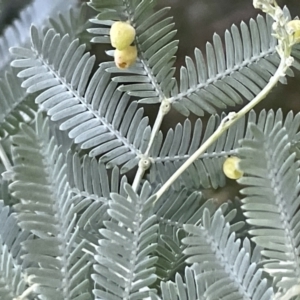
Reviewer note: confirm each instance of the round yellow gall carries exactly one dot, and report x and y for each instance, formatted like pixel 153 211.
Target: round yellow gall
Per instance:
pixel 293 28
pixel 122 35
pixel 231 168
pixel 125 58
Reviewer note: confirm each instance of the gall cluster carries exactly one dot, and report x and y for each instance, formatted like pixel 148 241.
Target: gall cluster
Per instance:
pixel 122 35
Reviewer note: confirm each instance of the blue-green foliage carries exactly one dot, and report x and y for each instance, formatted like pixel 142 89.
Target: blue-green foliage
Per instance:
pixel 75 223
pixel 272 199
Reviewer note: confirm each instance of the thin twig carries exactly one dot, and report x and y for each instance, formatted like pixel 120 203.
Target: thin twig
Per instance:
pixel 145 161
pixel 225 124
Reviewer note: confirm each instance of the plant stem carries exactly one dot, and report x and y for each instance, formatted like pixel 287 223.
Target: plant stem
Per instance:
pixel 145 162
pixel 27 292
pixel 138 177
pixel 156 127
pixel 226 123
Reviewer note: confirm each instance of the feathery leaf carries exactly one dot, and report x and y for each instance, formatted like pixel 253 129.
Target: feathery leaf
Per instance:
pixel 125 257
pixel 272 199
pixel 97 115
pixel 222 258
pixel 47 210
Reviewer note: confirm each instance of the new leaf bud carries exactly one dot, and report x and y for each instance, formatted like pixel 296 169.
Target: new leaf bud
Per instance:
pixel 294 29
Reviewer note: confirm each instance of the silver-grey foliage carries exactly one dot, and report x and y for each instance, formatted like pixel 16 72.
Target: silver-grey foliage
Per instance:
pixel 272 199
pixel 48 210
pixel 12 281
pixel 71 224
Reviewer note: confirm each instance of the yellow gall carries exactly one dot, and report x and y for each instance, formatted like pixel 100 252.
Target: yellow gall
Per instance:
pixel 125 58
pixel 231 168
pixel 122 35
pixel 293 28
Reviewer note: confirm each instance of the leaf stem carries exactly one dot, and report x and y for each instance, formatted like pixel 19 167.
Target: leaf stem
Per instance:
pixel 227 122
pixel 27 292
pixel 145 161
